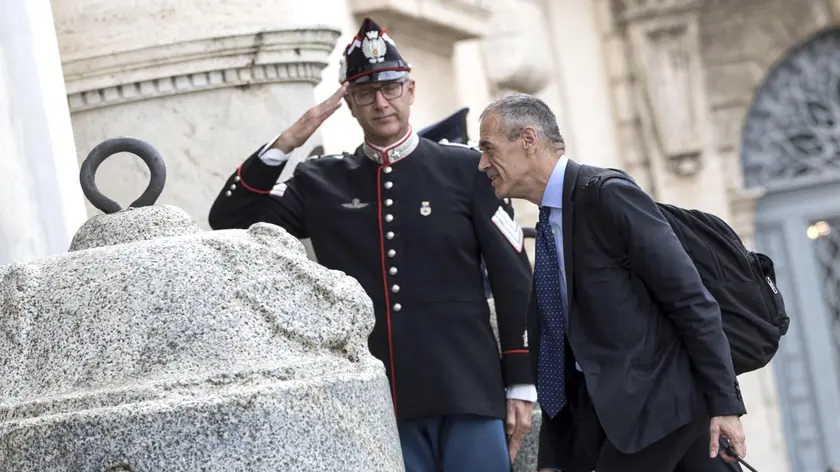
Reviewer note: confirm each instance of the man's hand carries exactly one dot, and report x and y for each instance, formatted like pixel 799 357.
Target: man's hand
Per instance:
pixel 728 427
pixel 517 424
pixel 305 126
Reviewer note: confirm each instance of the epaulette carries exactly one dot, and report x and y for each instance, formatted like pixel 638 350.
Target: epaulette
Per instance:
pixel 335 156
pixel 446 142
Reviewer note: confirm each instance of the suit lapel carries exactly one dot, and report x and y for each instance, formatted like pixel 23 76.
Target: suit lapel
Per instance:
pixel 569 183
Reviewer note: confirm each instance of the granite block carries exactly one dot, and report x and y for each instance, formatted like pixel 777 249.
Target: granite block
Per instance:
pixel 154 346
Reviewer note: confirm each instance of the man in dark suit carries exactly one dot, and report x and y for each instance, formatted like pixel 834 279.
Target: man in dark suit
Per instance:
pixel 410 219
pixel 633 369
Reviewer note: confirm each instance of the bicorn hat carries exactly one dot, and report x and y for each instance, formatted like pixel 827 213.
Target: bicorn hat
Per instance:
pixel 372 56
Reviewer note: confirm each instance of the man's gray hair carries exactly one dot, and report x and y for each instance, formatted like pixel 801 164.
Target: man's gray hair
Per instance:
pixel 518 111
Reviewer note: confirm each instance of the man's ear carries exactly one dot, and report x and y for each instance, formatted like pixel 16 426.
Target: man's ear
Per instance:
pixel 411 86
pixel 349 104
pixel 529 138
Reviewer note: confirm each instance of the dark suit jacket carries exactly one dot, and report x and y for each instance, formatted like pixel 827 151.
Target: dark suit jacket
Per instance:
pixel 648 339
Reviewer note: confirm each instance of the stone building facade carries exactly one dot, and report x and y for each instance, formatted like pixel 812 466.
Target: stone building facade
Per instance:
pixel 732 107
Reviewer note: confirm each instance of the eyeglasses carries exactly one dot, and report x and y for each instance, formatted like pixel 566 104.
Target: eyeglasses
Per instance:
pixel 391 91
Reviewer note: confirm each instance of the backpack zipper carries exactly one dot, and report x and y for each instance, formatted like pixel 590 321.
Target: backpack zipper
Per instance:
pixel 772 285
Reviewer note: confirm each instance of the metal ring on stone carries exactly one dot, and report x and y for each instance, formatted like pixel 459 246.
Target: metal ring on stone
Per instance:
pixel 109 147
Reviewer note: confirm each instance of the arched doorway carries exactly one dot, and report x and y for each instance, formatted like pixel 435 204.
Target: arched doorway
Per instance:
pixel 791 149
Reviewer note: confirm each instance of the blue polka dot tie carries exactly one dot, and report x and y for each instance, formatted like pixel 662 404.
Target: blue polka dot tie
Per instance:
pixel 551 378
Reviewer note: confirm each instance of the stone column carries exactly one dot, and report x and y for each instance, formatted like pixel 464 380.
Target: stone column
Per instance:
pixel 577 42
pixel 207 82
pixel 42 203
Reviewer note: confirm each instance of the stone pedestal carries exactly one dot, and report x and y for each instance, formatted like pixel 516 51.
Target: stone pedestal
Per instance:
pixel 154 346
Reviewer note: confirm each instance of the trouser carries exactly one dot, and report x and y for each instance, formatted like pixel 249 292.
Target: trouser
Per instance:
pixel 458 443
pixel 684 450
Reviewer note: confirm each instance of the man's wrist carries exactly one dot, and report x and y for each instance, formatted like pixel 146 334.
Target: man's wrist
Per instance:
pixel 523 392
pixel 283 144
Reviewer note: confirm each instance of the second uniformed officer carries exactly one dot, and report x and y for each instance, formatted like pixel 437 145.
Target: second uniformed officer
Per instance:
pixel 410 219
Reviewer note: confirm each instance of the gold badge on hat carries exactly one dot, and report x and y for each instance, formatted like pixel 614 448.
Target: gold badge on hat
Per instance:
pixel 425 209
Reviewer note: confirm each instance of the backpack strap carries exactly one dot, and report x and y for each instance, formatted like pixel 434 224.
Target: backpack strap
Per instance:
pixel 605 234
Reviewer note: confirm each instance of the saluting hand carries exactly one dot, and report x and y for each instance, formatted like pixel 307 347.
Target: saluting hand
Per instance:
pixel 305 126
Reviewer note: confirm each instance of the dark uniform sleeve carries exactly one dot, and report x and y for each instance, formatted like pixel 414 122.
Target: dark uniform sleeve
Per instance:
pixel 659 259
pixel 248 197
pixel 509 271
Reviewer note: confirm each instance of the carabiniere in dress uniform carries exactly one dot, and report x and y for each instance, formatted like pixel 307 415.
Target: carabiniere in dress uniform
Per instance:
pixel 411 222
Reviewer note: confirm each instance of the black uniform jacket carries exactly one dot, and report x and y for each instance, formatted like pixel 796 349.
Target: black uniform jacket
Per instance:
pixel 412 231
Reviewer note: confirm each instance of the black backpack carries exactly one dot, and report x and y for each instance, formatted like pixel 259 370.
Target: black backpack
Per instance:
pixel 742 281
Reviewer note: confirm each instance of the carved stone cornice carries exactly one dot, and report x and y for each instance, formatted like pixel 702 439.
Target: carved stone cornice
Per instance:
pixel 447 21
pixel 628 10
pixel 295 55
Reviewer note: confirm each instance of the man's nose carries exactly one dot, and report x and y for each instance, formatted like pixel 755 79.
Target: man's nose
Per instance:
pixel 380 101
pixel 483 163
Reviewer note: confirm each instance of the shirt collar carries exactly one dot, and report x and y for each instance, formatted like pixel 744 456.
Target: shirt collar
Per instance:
pixel 553 195
pixel 393 153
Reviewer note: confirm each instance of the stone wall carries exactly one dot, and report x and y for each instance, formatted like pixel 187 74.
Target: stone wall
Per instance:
pixel 663 116
pixel 741 41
